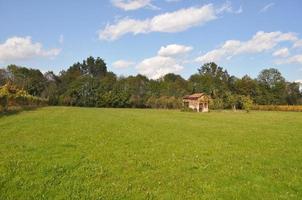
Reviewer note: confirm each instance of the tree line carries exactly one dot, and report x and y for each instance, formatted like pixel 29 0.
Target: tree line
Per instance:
pixel 90 84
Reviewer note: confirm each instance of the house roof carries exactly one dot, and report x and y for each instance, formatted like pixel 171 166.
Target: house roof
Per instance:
pixel 194 96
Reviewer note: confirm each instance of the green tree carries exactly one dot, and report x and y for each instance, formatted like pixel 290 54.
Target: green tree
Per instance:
pixel 137 89
pixel 96 68
pixel 212 80
pixel 31 80
pixel 272 87
pixel 3 76
pixel 173 85
pixel 293 94
pixel 231 100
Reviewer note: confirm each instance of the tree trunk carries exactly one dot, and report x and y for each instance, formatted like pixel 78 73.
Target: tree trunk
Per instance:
pixel 234 107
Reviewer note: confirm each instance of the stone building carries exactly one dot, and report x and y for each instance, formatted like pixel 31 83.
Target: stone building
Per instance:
pixel 198 102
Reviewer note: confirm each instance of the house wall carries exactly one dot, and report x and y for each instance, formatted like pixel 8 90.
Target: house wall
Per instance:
pixel 204 104
pixel 198 105
pixel 205 107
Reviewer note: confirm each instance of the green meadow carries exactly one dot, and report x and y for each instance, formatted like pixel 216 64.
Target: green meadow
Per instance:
pixel 95 153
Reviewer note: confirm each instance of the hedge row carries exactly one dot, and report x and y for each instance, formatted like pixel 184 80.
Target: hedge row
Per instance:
pixel 13 98
pixel 164 102
pixel 296 108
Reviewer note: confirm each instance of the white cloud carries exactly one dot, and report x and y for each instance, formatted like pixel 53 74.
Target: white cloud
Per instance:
pixel 158 66
pixel 284 52
pixel 17 48
pixel 267 7
pixel 174 50
pixel 260 42
pixel 168 60
pixel 227 7
pixel 294 59
pixel 297 44
pixel 183 19
pixel 177 21
pixel 300 84
pixel 120 64
pixel 124 26
pixel 132 4
pixel 169 1
pixel 287 37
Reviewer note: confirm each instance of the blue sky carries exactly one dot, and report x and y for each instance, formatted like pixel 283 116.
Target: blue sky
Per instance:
pixel 154 37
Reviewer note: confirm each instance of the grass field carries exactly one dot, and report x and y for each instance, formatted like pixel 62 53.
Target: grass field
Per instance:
pixel 89 153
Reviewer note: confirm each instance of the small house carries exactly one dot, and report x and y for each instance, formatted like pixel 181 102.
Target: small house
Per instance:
pixel 198 102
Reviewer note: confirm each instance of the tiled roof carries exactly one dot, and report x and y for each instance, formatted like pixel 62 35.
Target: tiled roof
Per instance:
pixel 194 96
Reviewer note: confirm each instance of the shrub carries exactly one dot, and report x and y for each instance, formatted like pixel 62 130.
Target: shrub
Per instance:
pixel 164 102
pixel 216 104
pixel 186 109
pixel 246 102
pixel 12 97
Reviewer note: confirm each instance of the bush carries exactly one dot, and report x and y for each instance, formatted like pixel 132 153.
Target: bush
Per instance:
pixel 12 97
pixel 216 104
pixel 246 102
pixel 164 102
